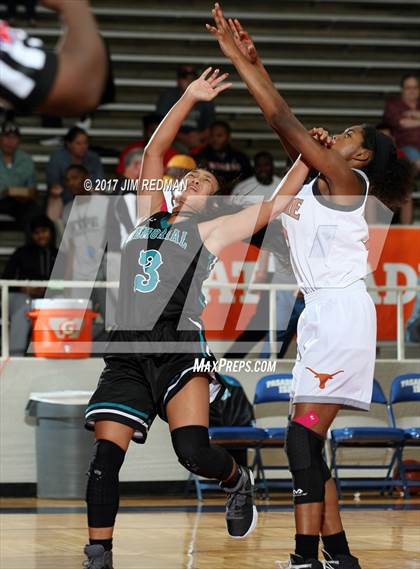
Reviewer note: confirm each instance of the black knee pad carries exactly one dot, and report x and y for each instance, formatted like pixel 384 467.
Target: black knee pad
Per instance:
pixel 102 492
pixel 307 465
pixel 192 447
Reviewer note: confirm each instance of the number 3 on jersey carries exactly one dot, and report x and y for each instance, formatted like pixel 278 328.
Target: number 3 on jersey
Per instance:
pixel 150 261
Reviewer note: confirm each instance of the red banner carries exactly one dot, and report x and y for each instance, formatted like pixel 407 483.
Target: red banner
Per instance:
pixel 394 257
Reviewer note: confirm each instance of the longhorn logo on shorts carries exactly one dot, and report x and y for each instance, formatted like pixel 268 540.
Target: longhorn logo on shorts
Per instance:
pixel 324 377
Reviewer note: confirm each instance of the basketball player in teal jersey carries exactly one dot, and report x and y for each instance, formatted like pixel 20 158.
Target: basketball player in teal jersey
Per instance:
pixel 164 263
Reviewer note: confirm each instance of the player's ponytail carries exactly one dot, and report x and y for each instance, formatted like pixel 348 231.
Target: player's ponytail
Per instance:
pixel 391 178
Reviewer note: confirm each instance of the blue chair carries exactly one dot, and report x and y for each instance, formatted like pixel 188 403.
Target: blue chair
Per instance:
pixel 405 388
pixel 369 437
pixel 235 438
pixel 274 389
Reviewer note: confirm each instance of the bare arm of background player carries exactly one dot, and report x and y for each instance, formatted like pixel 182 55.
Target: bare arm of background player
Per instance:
pixel 82 62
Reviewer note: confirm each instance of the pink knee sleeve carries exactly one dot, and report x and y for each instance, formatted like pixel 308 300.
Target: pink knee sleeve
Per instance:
pixel 308 420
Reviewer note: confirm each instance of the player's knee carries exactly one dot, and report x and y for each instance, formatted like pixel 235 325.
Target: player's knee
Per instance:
pixel 194 452
pixel 190 445
pixel 309 471
pixel 102 492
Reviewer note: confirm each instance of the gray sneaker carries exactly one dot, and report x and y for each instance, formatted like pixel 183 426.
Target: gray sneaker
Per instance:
pixel 241 512
pixel 97 557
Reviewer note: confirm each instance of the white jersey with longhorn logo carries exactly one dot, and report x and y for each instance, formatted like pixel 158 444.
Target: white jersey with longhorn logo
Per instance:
pixel 336 336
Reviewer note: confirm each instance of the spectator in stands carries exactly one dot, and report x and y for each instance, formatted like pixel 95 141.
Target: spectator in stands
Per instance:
pixel 404 214
pixel 229 165
pixel 30 6
pixel 34 261
pixel 17 178
pixel 270 269
pixel 121 220
pixel 195 128
pixel 75 151
pixel 122 214
pixel 150 124
pixel 264 181
pixel 402 114
pixel 257 188
pixel 85 234
pixel 132 166
pixel 178 166
pixel 74 179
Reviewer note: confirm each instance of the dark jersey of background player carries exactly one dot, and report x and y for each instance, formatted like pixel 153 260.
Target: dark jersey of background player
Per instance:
pixel 167 265
pixel 67 82
pixel 28 70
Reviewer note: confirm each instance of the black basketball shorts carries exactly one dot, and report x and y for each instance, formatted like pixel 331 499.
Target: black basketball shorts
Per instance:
pixel 146 371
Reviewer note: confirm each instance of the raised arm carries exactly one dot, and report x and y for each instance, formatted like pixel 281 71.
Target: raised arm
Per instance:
pixel 228 229
pixel 247 47
pixel 82 61
pixel 341 179
pixel 205 88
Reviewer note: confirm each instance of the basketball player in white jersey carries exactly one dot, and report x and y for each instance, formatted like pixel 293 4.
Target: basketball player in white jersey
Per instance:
pixel 327 235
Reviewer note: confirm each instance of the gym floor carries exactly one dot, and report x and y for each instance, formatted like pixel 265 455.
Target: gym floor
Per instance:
pixel 174 533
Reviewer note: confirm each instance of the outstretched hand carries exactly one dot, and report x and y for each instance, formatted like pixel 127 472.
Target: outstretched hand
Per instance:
pixel 206 87
pixel 243 40
pixel 223 32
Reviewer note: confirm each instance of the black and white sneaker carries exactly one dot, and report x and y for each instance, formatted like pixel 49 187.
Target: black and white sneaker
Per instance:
pixel 340 561
pixel 298 562
pixel 97 557
pixel 241 511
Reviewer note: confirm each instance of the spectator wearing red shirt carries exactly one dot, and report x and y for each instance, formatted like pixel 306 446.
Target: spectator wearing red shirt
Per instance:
pixel 150 124
pixel 404 215
pixel 402 114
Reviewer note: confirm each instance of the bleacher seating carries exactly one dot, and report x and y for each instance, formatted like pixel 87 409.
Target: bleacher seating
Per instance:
pixel 336 61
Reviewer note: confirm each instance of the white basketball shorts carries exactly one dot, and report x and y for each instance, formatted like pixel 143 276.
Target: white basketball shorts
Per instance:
pixel 336 340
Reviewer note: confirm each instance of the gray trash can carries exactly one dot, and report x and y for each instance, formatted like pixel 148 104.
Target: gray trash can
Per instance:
pixel 63 446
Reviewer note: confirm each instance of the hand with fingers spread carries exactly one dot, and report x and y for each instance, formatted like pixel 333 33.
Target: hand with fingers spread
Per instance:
pixel 224 33
pixel 243 40
pixel 208 85
pixel 322 136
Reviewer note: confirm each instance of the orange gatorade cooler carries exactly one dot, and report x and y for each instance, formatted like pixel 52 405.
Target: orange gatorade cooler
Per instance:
pixel 62 328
